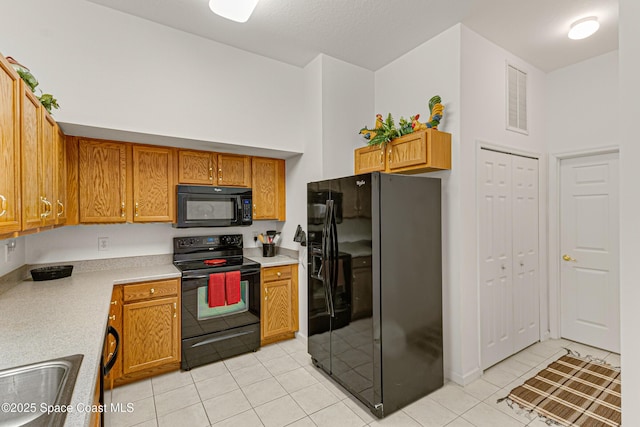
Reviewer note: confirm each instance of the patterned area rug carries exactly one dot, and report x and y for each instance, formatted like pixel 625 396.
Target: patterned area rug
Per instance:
pixel 572 391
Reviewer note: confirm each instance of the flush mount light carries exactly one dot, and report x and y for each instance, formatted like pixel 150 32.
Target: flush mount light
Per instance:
pixel 583 28
pixel 235 10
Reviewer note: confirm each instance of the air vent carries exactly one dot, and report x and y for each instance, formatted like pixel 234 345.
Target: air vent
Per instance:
pixel 516 100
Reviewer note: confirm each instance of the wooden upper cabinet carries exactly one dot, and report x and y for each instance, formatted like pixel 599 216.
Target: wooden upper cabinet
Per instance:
pixel 48 167
pixel 205 168
pixel 370 159
pixel 32 206
pixel 10 215
pixel 268 187
pixel 103 181
pixel 60 205
pixel 234 170
pixel 421 151
pixel 197 167
pixel 153 184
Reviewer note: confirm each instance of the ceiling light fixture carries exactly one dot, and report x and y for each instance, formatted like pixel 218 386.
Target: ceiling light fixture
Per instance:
pixel 583 28
pixel 235 10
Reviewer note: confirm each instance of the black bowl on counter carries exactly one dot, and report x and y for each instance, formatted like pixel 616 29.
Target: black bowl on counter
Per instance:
pixel 51 273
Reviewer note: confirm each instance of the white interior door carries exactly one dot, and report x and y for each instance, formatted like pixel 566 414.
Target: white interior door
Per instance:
pixel 508 253
pixel 496 291
pixel 589 241
pixel 526 294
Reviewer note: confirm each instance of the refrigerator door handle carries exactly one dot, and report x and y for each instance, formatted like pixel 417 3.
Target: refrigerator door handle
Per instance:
pixel 333 234
pixel 330 264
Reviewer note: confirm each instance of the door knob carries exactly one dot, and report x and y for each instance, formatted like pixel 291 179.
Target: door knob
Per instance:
pixel 568 258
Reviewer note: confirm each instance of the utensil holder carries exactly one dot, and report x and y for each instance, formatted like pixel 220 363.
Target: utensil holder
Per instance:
pixel 268 250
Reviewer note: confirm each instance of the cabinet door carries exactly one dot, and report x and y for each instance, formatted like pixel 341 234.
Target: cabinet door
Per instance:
pixel 102 175
pixel 153 184
pixel 407 151
pixel 369 159
pixel 268 186
pixel 196 167
pixel 150 334
pixel 9 148
pixel 47 170
pixel 277 311
pixel 234 171
pixel 115 320
pixel 32 206
pixel 60 207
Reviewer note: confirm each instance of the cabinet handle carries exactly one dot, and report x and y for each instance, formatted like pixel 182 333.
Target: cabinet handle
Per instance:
pixel 175 309
pixel 122 210
pixel 390 158
pixel 219 174
pixel 61 207
pixel 114 302
pixel 210 174
pixel 278 274
pixel 135 212
pixel 3 205
pixel 152 291
pixel 381 156
pixel 43 215
pixel 112 317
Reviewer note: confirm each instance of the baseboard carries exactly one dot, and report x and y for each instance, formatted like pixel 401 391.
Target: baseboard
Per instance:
pixel 464 379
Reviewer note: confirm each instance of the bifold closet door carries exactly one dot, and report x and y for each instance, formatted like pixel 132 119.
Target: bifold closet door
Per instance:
pixel 508 254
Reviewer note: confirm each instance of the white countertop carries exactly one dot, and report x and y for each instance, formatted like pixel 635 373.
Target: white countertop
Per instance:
pixel 273 261
pixel 46 320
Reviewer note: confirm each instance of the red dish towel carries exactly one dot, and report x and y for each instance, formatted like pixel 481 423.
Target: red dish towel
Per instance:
pixel 233 287
pixel 216 290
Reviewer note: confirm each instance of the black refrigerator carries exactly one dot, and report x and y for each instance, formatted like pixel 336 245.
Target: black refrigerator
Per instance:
pixel 375 286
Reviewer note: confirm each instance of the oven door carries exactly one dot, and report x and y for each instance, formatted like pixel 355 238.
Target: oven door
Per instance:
pixel 200 319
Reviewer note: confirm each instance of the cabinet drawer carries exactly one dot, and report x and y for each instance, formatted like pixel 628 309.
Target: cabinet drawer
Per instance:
pixel 276 273
pixel 361 262
pixel 160 288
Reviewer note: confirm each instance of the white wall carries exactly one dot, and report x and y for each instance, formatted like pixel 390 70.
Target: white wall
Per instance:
pixel 80 242
pixel 347 105
pixel 338 96
pixel 582 105
pixel 403 88
pixel 629 206
pixel 580 115
pixel 483 119
pixel 116 71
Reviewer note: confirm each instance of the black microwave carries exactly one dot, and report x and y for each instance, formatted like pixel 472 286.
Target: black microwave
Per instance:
pixel 207 206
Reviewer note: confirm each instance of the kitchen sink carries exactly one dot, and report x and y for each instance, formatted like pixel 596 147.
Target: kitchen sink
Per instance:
pixel 38 394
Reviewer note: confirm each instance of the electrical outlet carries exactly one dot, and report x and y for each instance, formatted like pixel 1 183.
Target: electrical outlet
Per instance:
pixel 9 249
pixel 103 243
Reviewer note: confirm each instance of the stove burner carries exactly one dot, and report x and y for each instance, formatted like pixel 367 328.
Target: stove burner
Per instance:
pixel 215 261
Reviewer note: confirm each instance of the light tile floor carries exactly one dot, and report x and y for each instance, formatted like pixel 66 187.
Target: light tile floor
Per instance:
pixel 278 386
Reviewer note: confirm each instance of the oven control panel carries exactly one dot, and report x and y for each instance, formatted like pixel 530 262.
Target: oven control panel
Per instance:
pixel 207 242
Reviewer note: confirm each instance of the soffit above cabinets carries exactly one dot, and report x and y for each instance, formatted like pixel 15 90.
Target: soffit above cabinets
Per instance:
pixel 72 129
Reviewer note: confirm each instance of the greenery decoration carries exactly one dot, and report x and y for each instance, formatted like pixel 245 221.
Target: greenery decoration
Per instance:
pixel 46 99
pixel 386 130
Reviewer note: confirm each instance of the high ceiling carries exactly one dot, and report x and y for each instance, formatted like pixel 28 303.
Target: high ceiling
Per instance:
pixel 372 33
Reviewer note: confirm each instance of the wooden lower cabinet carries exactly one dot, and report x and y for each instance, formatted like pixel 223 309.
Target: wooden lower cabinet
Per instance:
pixel 150 329
pixel 279 312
